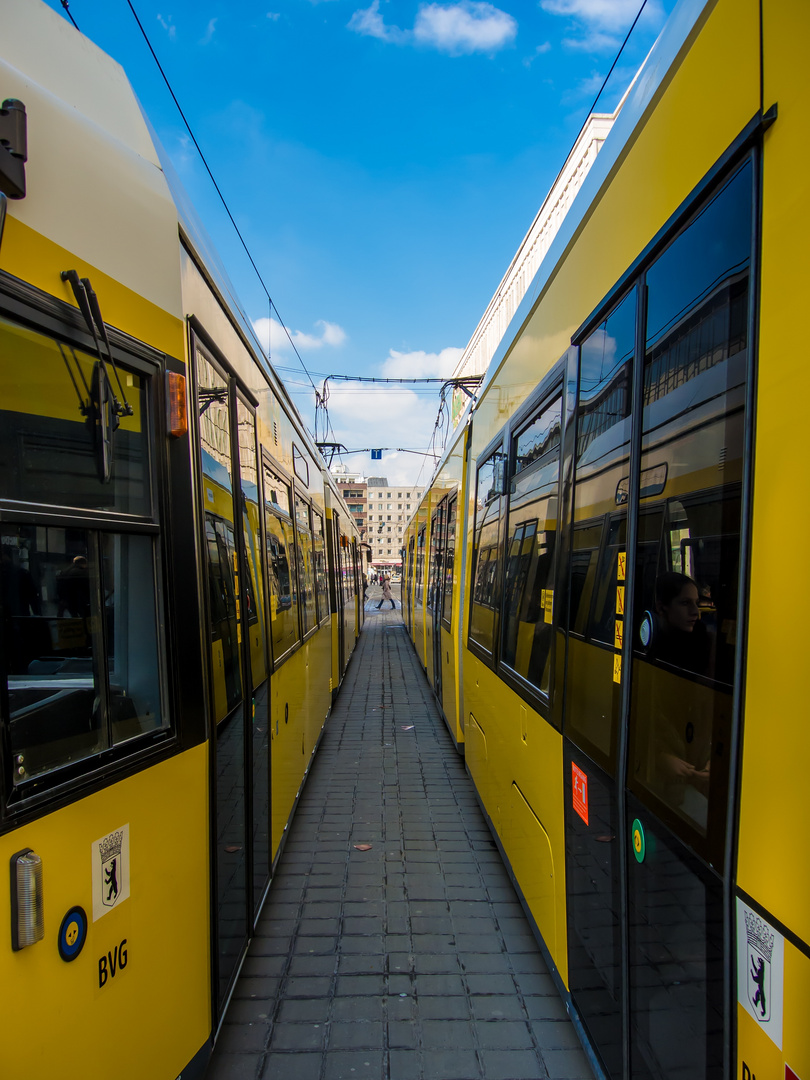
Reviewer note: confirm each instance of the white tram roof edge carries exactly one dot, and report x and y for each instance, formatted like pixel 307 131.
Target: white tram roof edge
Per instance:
pixel 94 182
pixel 652 73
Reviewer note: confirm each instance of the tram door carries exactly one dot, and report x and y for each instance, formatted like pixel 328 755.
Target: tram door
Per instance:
pixel 654 650
pixel 229 496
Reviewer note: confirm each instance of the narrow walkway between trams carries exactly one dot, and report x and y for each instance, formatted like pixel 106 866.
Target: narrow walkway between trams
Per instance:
pixel 411 960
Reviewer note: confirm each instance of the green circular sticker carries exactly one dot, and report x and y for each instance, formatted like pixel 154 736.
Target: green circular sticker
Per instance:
pixel 639 844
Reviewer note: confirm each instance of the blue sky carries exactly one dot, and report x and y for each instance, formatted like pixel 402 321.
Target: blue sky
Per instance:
pixel 383 162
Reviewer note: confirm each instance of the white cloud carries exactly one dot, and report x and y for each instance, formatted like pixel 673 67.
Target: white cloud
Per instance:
pixel 209 33
pixel 465 27
pixel 271 334
pixel 539 51
pixel 600 25
pixel 274 16
pixel 370 23
pixel 421 365
pixel 168 26
pixel 368 415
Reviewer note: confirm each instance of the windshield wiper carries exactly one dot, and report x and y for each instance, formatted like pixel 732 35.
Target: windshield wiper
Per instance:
pixel 104 411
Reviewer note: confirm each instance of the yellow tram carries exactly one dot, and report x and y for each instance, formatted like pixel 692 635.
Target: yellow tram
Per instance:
pixel 179 593
pixel 598 584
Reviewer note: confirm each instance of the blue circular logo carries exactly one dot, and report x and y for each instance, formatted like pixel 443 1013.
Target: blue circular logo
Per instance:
pixel 72 934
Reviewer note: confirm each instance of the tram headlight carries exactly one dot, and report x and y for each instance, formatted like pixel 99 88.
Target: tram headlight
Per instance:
pixel 27 912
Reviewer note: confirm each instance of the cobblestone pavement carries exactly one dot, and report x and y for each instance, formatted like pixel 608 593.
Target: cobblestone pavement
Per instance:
pixel 411 960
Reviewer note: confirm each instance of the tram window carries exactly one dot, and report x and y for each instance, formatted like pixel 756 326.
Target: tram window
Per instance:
pixel 487 552
pixel 437 531
pixel 48 446
pixel 420 563
pixel 220 533
pixel 686 616
pixel 586 543
pixel 78 626
pixel 280 542
pixel 306 571
pixel 602 460
pixel 532 516
pixel 319 559
pixel 254 586
pixel 449 559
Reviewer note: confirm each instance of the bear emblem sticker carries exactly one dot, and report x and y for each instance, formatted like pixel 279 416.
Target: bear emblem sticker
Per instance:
pixel 110 871
pixel 760 971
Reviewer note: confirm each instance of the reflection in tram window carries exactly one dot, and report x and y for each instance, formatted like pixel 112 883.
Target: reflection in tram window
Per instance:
pixel 528 602
pixel 420 563
pixel 306 574
pixel 599 533
pixel 449 558
pixel 280 539
pixel 487 552
pixel 686 615
pixel 49 449
pixel 319 557
pixel 254 586
pixel 434 562
pixel 78 618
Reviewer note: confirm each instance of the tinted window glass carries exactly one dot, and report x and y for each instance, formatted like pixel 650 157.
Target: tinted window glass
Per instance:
pixel 50 451
pixel 420 563
pixel 306 568
pixel 602 466
pixel 449 559
pixel 79 638
pixel 687 613
pixel 223 566
pixel 319 558
pixel 529 598
pixel 254 587
pixel 284 630
pixel 487 551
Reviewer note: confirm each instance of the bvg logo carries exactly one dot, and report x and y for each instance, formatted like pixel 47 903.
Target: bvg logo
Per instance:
pixel 112 963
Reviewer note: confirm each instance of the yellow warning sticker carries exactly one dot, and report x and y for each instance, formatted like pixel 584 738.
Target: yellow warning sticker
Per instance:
pixel 617 668
pixel 621 568
pixel 549 604
pixel 618 633
pixel 620 599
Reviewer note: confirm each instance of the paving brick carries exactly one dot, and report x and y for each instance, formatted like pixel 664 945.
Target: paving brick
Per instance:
pixel 404 1065
pixel 567 1065
pixel 298 1036
pixel 450 1065
pixel 513 1065
pixel 443 1008
pixel 287 1066
pixel 234 1067
pixel 243 1038
pixel 357 1036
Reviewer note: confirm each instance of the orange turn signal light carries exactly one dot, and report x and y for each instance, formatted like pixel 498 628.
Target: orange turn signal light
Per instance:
pixel 176 404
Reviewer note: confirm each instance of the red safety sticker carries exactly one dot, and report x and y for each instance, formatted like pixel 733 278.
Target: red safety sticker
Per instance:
pixel 579 783
pixel 790 1074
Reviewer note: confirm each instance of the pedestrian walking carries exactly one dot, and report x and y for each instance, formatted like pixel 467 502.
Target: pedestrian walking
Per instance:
pixel 386 588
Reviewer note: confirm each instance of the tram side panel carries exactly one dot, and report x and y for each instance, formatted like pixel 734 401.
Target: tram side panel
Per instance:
pixel 105 726
pixel 773 876
pixel 650 181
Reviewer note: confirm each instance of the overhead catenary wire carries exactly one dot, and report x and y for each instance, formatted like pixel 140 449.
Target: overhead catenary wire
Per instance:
pixel 66 6
pixel 217 188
